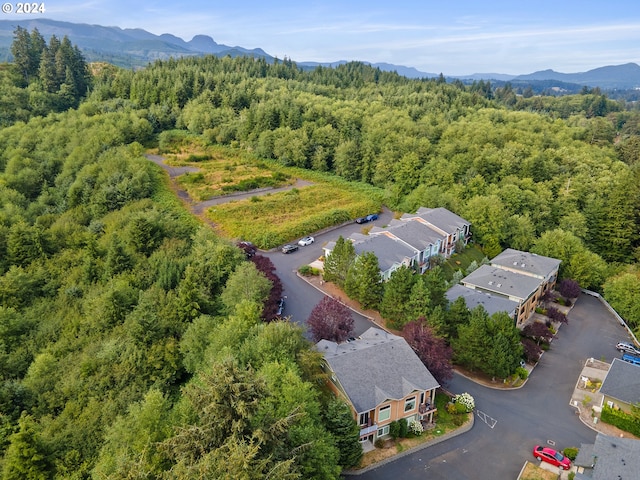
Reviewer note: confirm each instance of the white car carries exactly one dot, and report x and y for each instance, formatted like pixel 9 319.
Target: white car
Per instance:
pixel 303 242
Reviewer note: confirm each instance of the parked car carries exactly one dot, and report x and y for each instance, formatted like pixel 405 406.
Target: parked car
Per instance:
pixel 280 310
pixel 369 218
pixel 627 347
pixel 248 248
pixel 289 248
pixel 627 357
pixel 303 242
pixel 551 456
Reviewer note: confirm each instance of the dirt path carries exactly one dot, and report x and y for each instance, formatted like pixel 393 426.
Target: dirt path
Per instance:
pixel 198 208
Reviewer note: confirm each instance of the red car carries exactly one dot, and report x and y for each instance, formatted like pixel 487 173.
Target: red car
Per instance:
pixel 551 456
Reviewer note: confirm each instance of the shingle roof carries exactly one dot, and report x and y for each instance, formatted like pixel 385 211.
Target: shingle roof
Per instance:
pixel 502 282
pixel 439 217
pixel 388 250
pixel 622 382
pixel 416 234
pixel 491 303
pixel 611 458
pixel 526 262
pixel 376 367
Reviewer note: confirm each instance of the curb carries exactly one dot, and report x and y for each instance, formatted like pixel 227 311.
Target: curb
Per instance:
pixel 435 441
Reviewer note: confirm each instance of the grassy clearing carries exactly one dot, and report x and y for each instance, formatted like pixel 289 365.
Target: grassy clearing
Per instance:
pixel 273 219
pixel 224 170
pixel 460 261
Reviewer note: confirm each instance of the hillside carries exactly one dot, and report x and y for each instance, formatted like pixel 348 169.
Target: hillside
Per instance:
pixel 132 338
pixel 137 47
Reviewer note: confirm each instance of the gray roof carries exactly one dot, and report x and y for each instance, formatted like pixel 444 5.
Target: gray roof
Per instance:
pixel 622 382
pixel 388 250
pixel 440 217
pixel 376 367
pixel 416 234
pixel 611 458
pixel 502 282
pixel 491 303
pixel 528 263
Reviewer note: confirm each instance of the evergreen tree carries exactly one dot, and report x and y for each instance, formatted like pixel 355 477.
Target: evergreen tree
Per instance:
pixel 363 282
pixel 337 264
pixel 395 305
pixel 25 458
pixel 345 431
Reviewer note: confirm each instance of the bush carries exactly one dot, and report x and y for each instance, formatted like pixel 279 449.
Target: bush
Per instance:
pixel 522 373
pixel 308 270
pixel 620 419
pixel 404 427
pixel 570 453
pixel 415 427
pixel 379 443
pixel 466 400
pixel 458 420
pixel 394 429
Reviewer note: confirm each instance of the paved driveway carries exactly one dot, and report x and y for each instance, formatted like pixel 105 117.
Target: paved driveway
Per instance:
pixel 537 413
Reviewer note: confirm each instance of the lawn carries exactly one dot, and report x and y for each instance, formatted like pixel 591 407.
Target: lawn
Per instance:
pixel 444 425
pixel 534 472
pixel 460 261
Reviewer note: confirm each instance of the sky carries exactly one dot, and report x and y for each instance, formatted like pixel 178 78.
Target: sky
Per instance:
pixel 453 37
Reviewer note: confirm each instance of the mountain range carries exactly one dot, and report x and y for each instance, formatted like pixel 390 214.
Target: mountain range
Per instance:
pixel 133 48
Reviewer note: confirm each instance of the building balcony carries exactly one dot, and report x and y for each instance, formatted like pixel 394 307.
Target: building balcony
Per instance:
pixel 426 408
pixel 364 431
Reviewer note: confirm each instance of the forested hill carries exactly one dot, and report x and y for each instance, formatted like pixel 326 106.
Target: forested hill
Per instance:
pixel 128 344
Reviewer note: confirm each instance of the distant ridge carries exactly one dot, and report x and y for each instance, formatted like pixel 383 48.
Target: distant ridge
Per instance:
pixel 135 47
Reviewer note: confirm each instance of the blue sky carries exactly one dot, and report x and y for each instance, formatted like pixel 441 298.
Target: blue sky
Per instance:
pixel 455 37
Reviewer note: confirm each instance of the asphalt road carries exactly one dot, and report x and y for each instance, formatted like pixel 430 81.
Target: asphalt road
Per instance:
pixel 508 423
pixel 534 414
pixel 302 297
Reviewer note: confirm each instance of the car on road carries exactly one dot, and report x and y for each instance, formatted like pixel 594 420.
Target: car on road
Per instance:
pixel 551 456
pixel 280 309
pixel 627 347
pixel 303 242
pixel 289 248
pixel 369 218
pixel 247 247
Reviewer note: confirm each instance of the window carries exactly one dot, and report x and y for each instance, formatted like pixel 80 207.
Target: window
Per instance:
pixel 364 418
pixel 410 404
pixel 383 431
pixel 384 413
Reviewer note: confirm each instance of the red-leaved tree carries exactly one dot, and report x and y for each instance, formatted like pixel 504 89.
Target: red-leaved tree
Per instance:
pixel 569 288
pixel 265 265
pixel 431 349
pixel 330 320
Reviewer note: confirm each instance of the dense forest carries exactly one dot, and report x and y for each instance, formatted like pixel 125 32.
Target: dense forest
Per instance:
pixel 129 347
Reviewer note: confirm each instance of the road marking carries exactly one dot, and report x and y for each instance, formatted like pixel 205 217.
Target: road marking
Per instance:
pixel 490 421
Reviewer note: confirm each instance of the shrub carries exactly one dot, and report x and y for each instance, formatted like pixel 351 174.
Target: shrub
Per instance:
pixel 308 270
pixel 379 443
pixel 466 400
pixel 569 288
pixel 570 453
pixel 415 427
pixel 620 419
pixel 403 427
pixel 394 429
pixel 451 408
pixel 522 373
pixel 458 420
